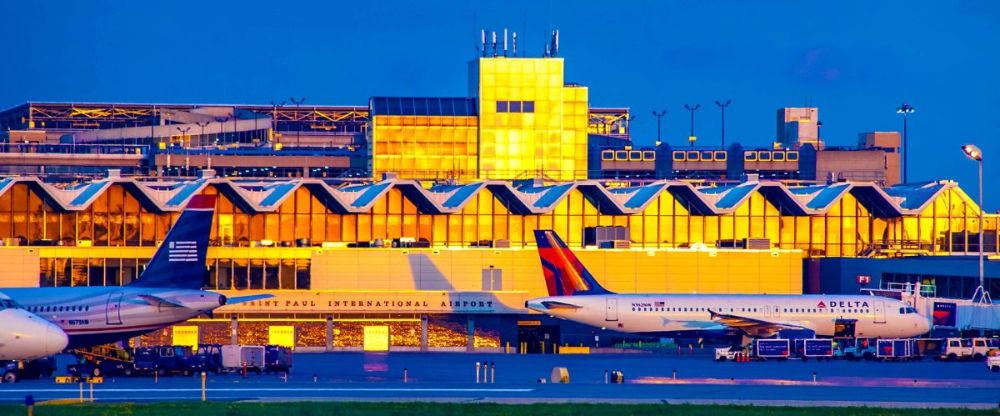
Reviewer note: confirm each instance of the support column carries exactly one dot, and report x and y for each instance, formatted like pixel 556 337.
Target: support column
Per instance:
pixel 234 326
pixel 329 333
pixel 423 333
pixel 472 335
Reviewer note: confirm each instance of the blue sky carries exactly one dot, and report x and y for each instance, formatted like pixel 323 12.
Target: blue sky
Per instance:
pixel 856 60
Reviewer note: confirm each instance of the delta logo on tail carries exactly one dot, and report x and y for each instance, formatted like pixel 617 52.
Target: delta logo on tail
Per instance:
pixel 564 273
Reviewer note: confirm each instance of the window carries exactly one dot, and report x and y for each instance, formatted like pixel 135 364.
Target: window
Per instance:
pixel 515 106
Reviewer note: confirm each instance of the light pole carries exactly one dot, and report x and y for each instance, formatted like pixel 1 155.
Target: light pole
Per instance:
pixel 658 116
pixel 274 116
pixel 905 109
pixel 692 137
pixel 299 129
pixel 187 154
pixel 722 106
pixel 973 152
pixel 202 124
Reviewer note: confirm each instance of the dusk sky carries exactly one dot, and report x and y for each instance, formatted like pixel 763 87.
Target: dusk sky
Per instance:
pixel 856 61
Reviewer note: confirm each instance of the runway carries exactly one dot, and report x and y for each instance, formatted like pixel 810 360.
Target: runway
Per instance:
pixel 649 378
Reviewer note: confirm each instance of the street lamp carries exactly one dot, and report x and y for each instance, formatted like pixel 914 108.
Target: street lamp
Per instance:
pixel 297 115
pixel 974 153
pixel 692 137
pixel 658 117
pixel 723 106
pixel 202 124
pixel 905 109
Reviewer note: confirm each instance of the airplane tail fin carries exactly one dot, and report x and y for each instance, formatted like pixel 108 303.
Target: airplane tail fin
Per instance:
pixel 179 263
pixel 564 274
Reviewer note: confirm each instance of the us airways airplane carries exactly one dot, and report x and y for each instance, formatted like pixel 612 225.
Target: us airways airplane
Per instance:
pixel 26 336
pixel 167 292
pixel 575 295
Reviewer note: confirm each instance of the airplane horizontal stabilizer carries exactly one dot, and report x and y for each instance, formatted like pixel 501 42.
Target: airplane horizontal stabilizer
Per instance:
pixel 242 299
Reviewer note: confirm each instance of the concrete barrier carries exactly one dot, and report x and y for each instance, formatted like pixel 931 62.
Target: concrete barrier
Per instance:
pixel 559 375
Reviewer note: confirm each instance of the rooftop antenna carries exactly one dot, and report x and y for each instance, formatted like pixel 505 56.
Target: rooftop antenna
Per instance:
pixel 494 44
pixel 555 49
pixel 514 44
pixel 504 42
pixel 482 41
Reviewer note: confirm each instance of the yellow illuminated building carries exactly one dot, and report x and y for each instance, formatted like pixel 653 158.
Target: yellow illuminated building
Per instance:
pixel 524 122
pixel 531 124
pixel 424 138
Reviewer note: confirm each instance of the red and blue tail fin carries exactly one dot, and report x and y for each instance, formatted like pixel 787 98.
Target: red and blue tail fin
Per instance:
pixel 179 263
pixel 564 273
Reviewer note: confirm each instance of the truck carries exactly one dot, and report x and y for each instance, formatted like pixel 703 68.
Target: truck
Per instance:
pixel 165 360
pixel 212 356
pixel 817 348
pixel 240 357
pixel 772 348
pixel 957 349
pixel 982 346
pixel 13 370
pixel 277 359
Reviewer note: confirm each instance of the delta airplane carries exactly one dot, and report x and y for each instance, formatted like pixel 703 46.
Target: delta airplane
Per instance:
pixel 26 336
pixel 576 296
pixel 167 292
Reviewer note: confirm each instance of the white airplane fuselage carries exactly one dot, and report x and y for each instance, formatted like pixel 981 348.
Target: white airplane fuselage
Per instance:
pixel 25 336
pixel 680 315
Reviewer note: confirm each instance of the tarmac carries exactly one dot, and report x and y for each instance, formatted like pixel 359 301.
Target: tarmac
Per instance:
pixel 649 378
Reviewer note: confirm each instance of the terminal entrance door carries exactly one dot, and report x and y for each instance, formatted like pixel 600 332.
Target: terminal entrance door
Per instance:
pixel 540 339
pixel 612 314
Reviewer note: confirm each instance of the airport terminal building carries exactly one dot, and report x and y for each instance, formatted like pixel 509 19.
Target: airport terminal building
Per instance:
pixel 409 221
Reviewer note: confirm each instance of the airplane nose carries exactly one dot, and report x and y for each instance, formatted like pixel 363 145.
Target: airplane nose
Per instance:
pixel 56 340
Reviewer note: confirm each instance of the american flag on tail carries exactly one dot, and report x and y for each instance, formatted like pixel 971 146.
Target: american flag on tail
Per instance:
pixel 182 251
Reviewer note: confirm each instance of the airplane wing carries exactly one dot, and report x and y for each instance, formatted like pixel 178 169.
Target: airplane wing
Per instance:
pixel 241 299
pixel 160 302
pixel 752 326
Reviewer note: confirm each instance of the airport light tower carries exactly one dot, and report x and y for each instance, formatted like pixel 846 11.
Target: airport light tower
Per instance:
pixel 722 106
pixel 974 153
pixel 905 109
pixel 658 115
pixel 692 137
pixel 299 129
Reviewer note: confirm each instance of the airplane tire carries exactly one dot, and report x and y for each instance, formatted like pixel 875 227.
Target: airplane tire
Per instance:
pixel 97 372
pixel 10 377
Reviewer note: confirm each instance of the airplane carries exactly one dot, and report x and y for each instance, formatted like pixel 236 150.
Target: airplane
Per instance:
pixel 167 292
pixel 576 296
pixel 26 336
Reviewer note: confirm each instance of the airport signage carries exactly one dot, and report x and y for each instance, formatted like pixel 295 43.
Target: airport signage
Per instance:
pixel 944 314
pixel 388 302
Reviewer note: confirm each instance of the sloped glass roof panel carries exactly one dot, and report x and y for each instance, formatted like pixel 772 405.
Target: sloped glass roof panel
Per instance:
pixel 735 196
pixel 643 196
pixel 827 196
pixel 461 195
pixel 187 189
pixel 91 191
pixel 277 193
pixel 552 195
pixel 368 196
pixel 423 106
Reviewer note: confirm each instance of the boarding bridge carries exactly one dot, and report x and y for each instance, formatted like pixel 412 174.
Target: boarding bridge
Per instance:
pixel 978 313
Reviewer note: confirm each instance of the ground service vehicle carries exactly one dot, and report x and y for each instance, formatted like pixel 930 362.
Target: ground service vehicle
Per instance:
pixel 277 359
pixel 981 346
pixel 212 357
pixel 772 348
pixel 240 357
pixel 855 348
pixel 818 348
pixel 166 360
pixel 993 361
pixel 957 348
pixel 894 349
pixel 13 370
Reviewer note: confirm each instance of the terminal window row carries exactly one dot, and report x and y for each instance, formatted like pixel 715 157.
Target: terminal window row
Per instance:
pixel 515 106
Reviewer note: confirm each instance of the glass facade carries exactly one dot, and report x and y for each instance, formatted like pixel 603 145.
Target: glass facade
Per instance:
pixel 425 147
pixel 109 241
pixel 530 124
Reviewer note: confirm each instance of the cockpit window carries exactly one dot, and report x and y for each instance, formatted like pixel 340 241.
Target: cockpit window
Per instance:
pixel 7 304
